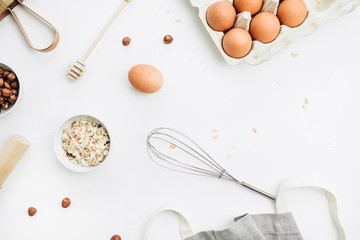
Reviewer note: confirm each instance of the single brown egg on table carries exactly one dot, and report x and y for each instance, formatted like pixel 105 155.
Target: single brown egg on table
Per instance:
pixel 221 16
pixel 146 78
pixel 237 43
pixel 264 27
pixel 116 237
pixel 252 6
pixel 292 13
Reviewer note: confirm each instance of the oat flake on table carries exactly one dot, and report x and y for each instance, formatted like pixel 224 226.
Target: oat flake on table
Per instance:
pixel 85 143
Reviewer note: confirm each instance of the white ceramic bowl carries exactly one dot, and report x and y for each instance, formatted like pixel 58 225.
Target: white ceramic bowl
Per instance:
pixel 12 106
pixel 60 152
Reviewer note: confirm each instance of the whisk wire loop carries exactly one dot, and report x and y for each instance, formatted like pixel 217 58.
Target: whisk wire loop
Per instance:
pixel 171 163
pixel 168 159
pixel 193 152
pixel 187 149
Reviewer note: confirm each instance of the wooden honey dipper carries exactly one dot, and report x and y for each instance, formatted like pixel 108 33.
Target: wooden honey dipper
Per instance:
pixel 76 71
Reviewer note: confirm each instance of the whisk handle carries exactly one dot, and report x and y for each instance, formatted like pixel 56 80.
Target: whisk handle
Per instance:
pixel 258 190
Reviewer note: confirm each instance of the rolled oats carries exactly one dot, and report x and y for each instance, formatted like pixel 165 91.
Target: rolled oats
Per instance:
pixel 85 143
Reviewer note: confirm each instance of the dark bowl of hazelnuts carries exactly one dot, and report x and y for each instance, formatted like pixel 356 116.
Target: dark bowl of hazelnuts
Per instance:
pixel 9 89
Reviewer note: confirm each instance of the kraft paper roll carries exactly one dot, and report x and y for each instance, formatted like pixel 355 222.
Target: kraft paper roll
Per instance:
pixel 11 154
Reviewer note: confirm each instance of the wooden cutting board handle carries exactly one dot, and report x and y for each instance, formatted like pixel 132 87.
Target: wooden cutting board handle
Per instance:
pixel 11 154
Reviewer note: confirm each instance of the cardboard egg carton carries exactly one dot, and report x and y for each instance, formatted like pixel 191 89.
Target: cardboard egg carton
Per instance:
pixel 319 13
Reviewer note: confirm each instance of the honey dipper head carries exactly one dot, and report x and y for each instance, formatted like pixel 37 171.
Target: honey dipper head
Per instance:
pixel 76 71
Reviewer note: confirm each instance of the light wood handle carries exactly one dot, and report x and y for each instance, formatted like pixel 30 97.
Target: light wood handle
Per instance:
pixel 105 29
pixel 11 154
pixel 78 68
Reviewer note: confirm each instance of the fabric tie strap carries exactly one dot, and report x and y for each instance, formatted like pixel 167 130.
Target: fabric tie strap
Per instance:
pixel 281 207
pixel 293 184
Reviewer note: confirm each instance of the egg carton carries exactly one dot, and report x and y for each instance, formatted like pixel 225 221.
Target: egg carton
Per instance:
pixel 319 13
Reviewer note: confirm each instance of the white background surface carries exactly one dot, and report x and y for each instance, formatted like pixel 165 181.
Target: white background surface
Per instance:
pixel 201 93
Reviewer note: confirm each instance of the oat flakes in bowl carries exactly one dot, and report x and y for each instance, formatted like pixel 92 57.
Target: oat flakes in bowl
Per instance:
pixel 82 143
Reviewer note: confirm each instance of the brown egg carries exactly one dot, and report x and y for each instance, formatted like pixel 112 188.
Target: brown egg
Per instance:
pixel 265 27
pixel 221 16
pixel 146 78
pixel 237 43
pixel 292 13
pixel 252 6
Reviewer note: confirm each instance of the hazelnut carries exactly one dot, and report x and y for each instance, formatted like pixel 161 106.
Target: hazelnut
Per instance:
pixel 66 202
pixel 126 41
pixel 1 82
pixel 5 74
pixel 32 211
pixel 7 85
pixel 12 99
pixel 2 100
pixel 11 77
pixel 14 85
pixel 116 237
pixel 168 39
pixel 5 105
pixel 6 92
pixel 14 92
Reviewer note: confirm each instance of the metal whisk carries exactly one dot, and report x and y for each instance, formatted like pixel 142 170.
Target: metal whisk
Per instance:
pixel 173 150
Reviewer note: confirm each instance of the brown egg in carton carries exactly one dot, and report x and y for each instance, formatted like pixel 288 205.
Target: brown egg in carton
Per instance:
pixel 319 12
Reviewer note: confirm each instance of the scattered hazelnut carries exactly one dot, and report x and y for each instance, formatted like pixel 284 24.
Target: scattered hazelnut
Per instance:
pixel 126 41
pixel 66 202
pixel 32 211
pixel 168 39
pixel 116 237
